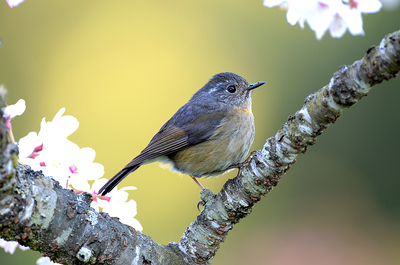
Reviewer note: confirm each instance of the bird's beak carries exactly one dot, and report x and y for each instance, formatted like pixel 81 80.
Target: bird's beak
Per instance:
pixel 255 85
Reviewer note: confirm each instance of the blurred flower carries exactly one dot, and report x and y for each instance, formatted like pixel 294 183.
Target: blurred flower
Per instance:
pixel 83 169
pixel 63 160
pixel 13 3
pixel 10 246
pixel 57 157
pixel 321 15
pixel 116 204
pixel 11 112
pixel 14 110
pixel 45 261
pixel 125 211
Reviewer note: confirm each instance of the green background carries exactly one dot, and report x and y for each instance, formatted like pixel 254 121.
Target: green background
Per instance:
pixel 123 68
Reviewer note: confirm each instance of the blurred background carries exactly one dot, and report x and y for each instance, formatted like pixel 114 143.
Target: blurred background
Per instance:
pixel 123 68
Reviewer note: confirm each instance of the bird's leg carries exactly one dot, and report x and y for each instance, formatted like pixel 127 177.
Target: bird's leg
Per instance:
pixel 200 203
pixel 197 182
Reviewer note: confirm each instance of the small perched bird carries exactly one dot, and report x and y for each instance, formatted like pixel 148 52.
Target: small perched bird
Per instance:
pixel 209 135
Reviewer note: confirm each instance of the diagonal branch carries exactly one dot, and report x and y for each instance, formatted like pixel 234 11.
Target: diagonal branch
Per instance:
pixel 37 212
pixel 266 166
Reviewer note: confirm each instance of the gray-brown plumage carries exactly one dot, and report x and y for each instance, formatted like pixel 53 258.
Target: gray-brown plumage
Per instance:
pixel 213 131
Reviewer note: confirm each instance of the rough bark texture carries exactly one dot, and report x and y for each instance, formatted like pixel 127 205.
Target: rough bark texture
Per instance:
pixel 266 166
pixel 37 212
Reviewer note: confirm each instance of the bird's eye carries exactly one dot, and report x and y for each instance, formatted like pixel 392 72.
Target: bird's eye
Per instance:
pixel 231 89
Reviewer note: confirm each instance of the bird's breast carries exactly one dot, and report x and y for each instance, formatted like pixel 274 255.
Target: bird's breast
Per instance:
pixel 228 146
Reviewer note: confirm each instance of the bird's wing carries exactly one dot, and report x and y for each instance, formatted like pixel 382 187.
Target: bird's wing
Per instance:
pixel 171 138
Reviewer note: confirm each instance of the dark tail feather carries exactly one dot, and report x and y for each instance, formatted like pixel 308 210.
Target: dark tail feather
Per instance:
pixel 117 179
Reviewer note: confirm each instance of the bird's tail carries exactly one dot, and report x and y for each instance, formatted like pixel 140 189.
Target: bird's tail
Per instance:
pixel 117 179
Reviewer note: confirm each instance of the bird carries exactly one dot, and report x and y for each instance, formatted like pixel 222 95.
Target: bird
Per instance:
pixel 208 136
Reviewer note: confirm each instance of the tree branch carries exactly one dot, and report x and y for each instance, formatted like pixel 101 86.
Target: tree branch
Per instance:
pixel 267 165
pixel 37 212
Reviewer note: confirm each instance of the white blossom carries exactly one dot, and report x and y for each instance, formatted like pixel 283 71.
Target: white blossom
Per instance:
pixel 116 205
pixel 12 111
pixel 337 16
pixel 11 246
pixel 45 261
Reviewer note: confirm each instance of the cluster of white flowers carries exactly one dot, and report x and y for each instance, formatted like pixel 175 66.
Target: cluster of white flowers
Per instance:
pixel 51 152
pixel 337 16
pixel 334 15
